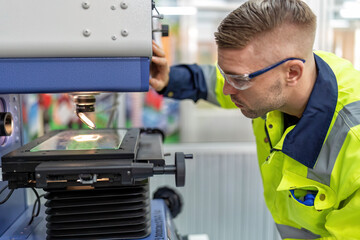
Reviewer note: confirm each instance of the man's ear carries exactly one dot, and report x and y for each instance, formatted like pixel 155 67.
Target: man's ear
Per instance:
pixel 295 70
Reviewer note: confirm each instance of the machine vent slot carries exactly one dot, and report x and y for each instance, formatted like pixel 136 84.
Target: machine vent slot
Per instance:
pixel 100 213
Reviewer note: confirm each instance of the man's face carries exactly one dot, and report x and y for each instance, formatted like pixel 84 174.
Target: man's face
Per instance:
pixel 267 90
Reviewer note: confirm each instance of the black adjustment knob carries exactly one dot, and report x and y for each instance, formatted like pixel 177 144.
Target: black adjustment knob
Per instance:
pixel 180 169
pixel 6 124
pixel 172 199
pixel 165 30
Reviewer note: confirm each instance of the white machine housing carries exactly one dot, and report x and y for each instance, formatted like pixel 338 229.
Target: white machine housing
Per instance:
pixel 75 28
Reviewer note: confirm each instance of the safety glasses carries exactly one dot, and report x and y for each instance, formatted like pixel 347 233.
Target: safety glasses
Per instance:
pixel 242 81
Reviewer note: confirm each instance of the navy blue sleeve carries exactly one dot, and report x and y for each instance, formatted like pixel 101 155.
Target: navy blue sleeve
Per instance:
pixel 186 82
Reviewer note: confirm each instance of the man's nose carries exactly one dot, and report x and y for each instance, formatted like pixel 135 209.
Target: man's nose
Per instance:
pixel 228 89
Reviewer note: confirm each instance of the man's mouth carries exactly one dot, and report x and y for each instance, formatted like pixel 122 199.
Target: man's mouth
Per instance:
pixel 239 105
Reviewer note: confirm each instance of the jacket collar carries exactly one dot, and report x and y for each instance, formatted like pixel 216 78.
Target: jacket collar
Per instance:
pixel 304 142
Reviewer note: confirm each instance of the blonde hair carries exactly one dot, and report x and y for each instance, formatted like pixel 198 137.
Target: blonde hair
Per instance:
pixel 261 16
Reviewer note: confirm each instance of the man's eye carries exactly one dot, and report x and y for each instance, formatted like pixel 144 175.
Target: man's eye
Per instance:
pixel 239 80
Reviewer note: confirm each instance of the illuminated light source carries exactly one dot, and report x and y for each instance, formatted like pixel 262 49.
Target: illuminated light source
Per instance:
pixel 87 138
pixel 85 119
pixel 85 104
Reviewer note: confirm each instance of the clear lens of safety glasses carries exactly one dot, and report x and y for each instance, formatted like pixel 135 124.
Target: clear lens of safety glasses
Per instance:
pixel 240 82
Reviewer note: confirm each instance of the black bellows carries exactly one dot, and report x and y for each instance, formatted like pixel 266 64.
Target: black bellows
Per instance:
pixel 100 213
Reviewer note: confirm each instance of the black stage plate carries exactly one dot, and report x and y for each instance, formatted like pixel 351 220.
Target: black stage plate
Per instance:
pixel 74 152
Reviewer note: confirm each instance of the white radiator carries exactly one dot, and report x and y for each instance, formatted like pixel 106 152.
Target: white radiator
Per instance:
pixel 223 194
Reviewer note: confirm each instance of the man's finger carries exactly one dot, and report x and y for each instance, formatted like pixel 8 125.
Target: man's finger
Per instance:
pixel 160 61
pixel 157 50
pixel 156 84
pixel 154 43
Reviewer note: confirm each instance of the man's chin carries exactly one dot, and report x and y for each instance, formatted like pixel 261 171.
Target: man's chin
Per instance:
pixel 249 114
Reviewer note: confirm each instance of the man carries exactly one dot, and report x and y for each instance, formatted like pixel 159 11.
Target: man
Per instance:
pixel 306 111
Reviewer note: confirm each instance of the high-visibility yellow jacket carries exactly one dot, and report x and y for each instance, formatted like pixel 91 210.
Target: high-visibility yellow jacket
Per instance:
pixel 320 155
pixel 311 169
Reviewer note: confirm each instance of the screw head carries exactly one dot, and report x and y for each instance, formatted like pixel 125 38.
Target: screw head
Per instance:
pixel 85 5
pixel 86 32
pixel 112 7
pixel 123 5
pixel 113 37
pixel 124 33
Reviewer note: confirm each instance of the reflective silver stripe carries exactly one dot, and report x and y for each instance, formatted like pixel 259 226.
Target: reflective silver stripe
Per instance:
pixel 348 117
pixel 291 232
pixel 209 72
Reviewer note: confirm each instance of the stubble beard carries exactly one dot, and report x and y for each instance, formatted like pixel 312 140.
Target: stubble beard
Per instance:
pixel 273 101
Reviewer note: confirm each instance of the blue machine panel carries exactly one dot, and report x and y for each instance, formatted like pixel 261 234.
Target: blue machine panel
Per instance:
pixel 61 75
pixel 12 209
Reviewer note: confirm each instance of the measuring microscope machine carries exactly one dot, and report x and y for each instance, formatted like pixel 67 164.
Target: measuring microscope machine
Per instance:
pixel 97 180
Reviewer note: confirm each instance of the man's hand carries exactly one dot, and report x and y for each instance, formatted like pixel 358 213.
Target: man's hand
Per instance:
pixel 159 69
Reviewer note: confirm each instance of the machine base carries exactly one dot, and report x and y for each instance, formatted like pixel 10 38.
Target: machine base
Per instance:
pixel 162 227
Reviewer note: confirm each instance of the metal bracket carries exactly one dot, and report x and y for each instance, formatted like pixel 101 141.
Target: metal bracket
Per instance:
pixel 88 172
pixel 87 178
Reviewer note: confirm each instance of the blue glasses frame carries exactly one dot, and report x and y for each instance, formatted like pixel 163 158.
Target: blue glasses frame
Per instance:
pixel 242 81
